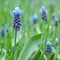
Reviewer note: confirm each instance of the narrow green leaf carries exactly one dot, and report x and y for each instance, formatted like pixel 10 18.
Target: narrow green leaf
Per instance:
pixel 52 57
pixel 30 47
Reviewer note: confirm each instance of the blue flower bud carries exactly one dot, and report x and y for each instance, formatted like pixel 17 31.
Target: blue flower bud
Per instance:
pixel 43 8
pixel 44 15
pixel 7 30
pixel 56 21
pixel 50 4
pixel 48 47
pixel 57 41
pixel 2 32
pixel 53 16
pixel 35 18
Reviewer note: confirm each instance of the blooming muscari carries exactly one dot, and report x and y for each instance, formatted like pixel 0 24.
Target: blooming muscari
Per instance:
pixel 35 18
pixel 44 12
pixel 57 41
pixel 2 32
pixel 56 21
pixel 53 16
pixel 16 24
pixel 48 47
pixel 7 30
pixel 50 4
pixel 17 12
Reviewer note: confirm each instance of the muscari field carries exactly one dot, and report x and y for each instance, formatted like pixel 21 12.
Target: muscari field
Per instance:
pixel 29 29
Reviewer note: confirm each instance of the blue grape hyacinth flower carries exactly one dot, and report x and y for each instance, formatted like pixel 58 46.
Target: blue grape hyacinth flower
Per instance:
pixel 7 30
pixel 56 21
pixel 53 16
pixel 2 32
pixel 16 23
pixel 44 12
pixel 35 18
pixel 17 12
pixel 48 47
pixel 57 41
pixel 50 4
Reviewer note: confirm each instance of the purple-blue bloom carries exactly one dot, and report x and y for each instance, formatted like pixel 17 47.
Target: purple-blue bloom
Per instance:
pixel 50 4
pixel 7 30
pixel 44 15
pixel 48 47
pixel 17 11
pixel 16 24
pixel 35 18
pixel 43 8
pixel 57 41
pixel 56 21
pixel 2 32
pixel 53 16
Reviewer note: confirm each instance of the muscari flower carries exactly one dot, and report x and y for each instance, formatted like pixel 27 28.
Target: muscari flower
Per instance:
pixel 9 52
pixel 56 21
pixel 2 32
pixel 7 30
pixel 35 18
pixel 57 41
pixel 50 4
pixel 48 47
pixel 53 16
pixel 17 12
pixel 44 13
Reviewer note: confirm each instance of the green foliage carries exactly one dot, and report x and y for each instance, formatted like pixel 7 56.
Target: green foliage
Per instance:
pixel 30 47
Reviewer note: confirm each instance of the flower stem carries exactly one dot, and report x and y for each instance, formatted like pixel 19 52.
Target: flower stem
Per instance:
pixel 15 38
pixel 15 43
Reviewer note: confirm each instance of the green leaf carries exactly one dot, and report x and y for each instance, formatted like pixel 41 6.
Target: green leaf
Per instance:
pixel 52 57
pixel 30 47
pixel 36 55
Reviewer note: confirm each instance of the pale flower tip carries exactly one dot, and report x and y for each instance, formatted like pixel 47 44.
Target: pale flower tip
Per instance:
pixel 17 8
pixel 17 11
pixel 48 42
pixel 43 8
